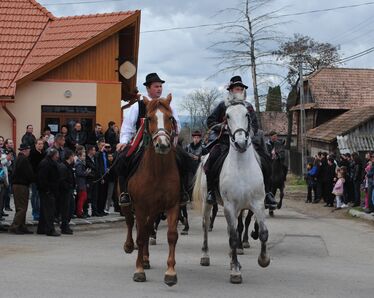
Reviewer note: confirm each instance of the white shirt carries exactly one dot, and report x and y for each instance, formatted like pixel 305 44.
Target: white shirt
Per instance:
pixel 128 127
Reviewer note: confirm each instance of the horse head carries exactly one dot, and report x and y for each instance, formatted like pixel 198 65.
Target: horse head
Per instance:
pixel 239 126
pixel 160 123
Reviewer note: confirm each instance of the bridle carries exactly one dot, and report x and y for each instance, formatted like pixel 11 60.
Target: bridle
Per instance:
pixel 169 134
pixel 246 132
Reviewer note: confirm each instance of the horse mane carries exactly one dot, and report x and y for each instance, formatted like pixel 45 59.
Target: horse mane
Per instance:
pixel 155 104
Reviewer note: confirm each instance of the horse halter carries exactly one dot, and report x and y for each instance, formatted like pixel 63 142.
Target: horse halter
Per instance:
pixel 246 132
pixel 161 131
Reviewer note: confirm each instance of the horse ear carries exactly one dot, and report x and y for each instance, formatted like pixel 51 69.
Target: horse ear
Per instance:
pixel 146 100
pixel 169 98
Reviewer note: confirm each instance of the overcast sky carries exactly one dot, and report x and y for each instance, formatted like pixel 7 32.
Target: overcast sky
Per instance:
pixel 183 58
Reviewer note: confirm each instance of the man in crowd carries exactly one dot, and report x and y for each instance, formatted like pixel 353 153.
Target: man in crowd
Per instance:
pixel 48 186
pixel 102 168
pixel 95 135
pixel 67 186
pixel 59 146
pixel 9 147
pixel 23 176
pixel 77 136
pixel 28 138
pixel 91 163
pixel 36 156
pixel 110 135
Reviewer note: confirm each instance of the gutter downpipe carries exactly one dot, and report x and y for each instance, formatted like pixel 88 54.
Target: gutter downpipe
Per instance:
pixel 14 122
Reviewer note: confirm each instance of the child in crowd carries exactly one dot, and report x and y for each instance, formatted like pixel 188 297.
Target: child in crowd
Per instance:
pixel 338 191
pixel 311 181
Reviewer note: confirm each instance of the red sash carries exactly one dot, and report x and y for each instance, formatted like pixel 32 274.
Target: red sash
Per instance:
pixel 137 139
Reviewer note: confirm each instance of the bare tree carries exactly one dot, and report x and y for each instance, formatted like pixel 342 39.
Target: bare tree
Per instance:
pixel 250 42
pixel 199 104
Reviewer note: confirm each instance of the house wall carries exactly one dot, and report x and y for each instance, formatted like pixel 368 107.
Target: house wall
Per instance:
pixel 31 96
pixel 108 106
pixel 97 63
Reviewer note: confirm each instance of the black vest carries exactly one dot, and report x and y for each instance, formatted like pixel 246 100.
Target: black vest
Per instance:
pixel 142 113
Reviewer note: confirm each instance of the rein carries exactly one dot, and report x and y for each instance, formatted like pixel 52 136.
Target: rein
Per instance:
pixel 246 132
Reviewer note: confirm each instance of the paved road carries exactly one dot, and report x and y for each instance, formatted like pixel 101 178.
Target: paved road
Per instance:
pixel 311 257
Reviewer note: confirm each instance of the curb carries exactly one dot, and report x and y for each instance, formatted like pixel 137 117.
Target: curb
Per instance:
pixel 76 222
pixel 359 214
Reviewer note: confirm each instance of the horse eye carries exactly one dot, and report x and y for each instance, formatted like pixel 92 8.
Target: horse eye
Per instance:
pixel 227 116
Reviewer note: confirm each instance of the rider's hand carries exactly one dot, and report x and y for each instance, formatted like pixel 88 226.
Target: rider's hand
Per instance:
pixel 120 147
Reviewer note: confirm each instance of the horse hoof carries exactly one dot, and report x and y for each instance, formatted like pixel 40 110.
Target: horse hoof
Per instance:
pixel 184 233
pixel 146 265
pixel 205 261
pixel 128 248
pixel 152 241
pixel 171 280
pixel 139 277
pixel 246 244
pixel 271 213
pixel 240 251
pixel 210 229
pixel 236 278
pixel 263 262
pixel 279 206
pixel 254 235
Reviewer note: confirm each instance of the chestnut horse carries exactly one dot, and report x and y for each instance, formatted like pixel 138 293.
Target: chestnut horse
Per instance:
pixel 154 188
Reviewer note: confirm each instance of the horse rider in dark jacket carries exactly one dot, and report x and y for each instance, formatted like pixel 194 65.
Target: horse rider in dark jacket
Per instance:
pixel 220 150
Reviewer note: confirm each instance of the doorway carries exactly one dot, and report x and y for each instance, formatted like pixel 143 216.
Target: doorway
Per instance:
pixel 56 116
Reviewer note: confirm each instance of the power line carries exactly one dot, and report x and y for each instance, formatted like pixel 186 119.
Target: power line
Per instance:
pixel 355 56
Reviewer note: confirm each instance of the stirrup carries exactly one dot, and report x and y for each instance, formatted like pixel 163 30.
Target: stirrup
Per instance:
pixel 124 199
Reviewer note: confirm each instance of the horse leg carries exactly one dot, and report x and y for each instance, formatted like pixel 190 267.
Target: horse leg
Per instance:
pixel 274 191
pixel 139 275
pixel 281 196
pixel 205 259
pixel 255 232
pixel 149 229
pixel 247 223
pixel 172 217
pixel 259 212
pixel 185 220
pixel 231 218
pixel 153 233
pixel 240 228
pixel 129 244
pixel 212 219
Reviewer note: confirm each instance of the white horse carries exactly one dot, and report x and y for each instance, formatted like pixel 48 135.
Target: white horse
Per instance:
pixel 241 186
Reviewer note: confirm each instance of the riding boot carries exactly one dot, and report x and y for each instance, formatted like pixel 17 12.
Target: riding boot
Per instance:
pixel 124 197
pixel 211 199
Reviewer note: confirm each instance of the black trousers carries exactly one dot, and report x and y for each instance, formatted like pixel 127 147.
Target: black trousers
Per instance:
pixel 65 200
pixel 101 196
pixel 312 188
pixel 92 197
pixel 47 212
pixel 357 192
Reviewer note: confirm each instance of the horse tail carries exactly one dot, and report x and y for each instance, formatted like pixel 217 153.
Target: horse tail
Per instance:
pixel 197 192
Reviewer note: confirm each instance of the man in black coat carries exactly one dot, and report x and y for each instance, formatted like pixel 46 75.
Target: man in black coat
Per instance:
pixel 23 176
pixel 77 136
pixel 67 186
pixel 95 135
pixel 91 163
pixel 111 136
pixel 37 154
pixel 28 138
pixel 218 153
pixel 48 185
pixel 102 167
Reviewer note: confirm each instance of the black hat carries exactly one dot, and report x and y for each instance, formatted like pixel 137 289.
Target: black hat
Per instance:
pixel 23 147
pixel 152 78
pixel 196 133
pixel 236 81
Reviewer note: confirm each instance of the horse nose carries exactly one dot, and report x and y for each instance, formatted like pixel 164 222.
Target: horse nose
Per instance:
pixel 162 146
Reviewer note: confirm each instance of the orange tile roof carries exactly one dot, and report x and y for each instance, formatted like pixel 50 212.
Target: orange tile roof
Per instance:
pixel 31 37
pixel 342 88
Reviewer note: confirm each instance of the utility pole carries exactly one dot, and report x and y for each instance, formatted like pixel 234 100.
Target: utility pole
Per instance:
pixel 302 119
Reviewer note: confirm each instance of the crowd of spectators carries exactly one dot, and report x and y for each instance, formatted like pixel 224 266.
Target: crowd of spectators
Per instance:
pixel 341 182
pixel 66 175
